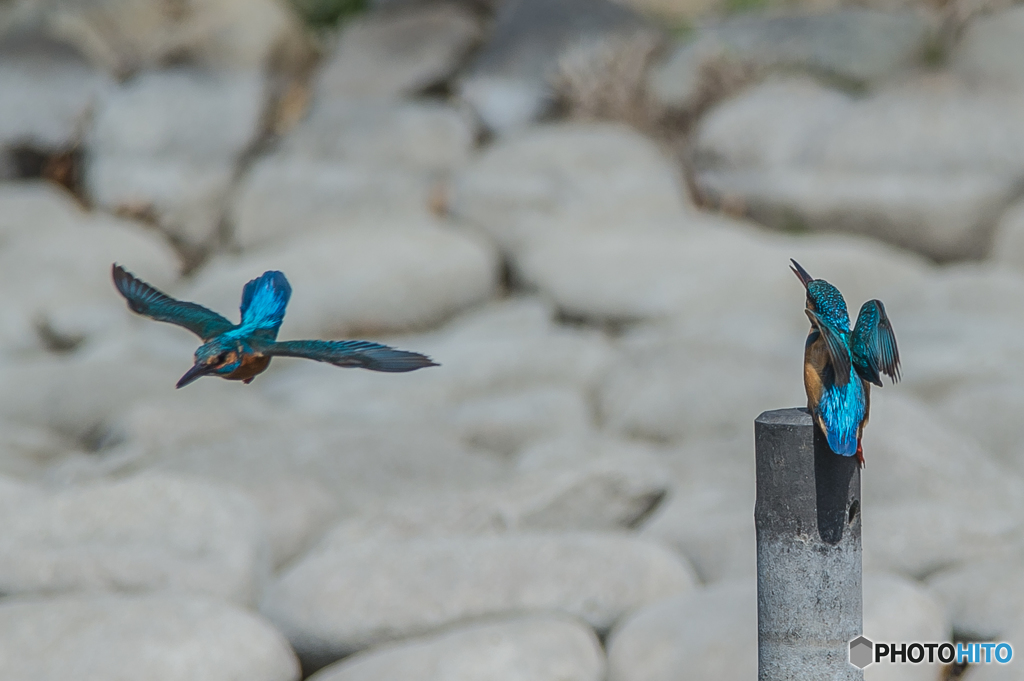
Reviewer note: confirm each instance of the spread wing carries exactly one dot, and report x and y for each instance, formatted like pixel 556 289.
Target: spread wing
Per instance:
pixel 836 346
pixel 874 344
pixel 264 300
pixel 352 353
pixel 148 301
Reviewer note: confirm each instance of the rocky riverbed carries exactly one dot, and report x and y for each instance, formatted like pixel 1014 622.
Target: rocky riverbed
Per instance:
pixel 585 216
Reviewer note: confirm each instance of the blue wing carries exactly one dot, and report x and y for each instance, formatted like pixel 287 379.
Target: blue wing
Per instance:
pixel 835 343
pixel 353 353
pixel 146 300
pixel 874 344
pixel 264 300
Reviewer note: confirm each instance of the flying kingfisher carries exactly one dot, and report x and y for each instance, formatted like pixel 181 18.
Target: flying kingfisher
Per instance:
pixel 839 364
pixel 239 352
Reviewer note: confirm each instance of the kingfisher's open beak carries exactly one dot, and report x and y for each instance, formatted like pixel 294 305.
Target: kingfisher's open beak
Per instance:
pixel 197 371
pixel 801 273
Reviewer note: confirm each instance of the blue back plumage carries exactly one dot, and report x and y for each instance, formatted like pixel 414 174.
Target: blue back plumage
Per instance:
pixel 264 301
pixel 829 304
pixel 842 408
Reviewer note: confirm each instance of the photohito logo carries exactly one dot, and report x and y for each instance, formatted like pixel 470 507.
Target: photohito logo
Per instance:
pixel 863 651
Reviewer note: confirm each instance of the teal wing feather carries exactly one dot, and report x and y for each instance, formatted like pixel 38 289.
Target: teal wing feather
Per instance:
pixel 264 301
pixel 874 344
pixel 352 353
pixel 148 301
pixel 836 344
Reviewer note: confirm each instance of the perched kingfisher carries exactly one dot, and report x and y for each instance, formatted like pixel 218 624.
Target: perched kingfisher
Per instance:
pixel 239 352
pixel 839 364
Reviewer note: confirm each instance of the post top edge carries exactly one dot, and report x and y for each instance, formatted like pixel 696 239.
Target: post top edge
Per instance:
pixel 793 416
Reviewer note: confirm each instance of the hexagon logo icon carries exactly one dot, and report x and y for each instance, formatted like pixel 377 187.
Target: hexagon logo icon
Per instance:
pixel 860 652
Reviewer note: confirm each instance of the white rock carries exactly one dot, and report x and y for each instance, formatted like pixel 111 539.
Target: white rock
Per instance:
pixel 593 174
pixel 708 515
pixel 931 498
pixel 46 97
pixel 944 216
pixel 32 206
pixel 186 197
pixel 508 422
pixel 362 163
pixel 601 494
pixel 506 348
pixel 365 278
pixel 916 538
pixel 162 638
pixel 282 195
pixel 297 511
pixel 964 311
pixel 713 527
pixel 337 601
pixel 898 610
pixel 857 45
pixel 1008 239
pixel 272 453
pixel 402 52
pixel 508 82
pixel 421 136
pixel 927 165
pixel 710 632
pixel 181 113
pixel 503 104
pixel 532 648
pixel 26 452
pixel 169 141
pixel 77 395
pixel 657 273
pixel 584 449
pixel 301 472
pixel 59 274
pixel 125 35
pixel 984 599
pixel 152 533
pixel 990 50
pixel 56 262
pixel 987 411
pixel 915 456
pixel 1002 672
pixel 73 264
pixel 669 390
pixel 926 126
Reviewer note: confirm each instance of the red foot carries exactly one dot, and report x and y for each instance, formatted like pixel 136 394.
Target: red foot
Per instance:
pixel 860 454
pixel 247 381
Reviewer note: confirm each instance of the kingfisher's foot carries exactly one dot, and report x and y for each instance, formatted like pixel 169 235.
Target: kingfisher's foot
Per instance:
pixel 860 454
pixel 247 381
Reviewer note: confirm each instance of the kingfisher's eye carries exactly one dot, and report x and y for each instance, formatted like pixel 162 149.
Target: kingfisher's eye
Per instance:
pixel 222 358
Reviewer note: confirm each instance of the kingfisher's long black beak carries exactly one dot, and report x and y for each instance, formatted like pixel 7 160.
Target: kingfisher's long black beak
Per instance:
pixel 197 371
pixel 801 273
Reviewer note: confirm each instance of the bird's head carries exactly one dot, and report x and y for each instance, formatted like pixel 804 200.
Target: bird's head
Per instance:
pixel 823 299
pixel 219 356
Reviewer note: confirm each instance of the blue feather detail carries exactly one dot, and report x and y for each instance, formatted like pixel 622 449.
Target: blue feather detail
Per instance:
pixel 829 304
pixel 873 344
pixel 146 300
pixel 264 301
pixel 352 353
pixel 842 409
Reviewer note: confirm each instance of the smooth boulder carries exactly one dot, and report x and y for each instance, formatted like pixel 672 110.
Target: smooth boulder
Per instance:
pixel 530 648
pixel 342 599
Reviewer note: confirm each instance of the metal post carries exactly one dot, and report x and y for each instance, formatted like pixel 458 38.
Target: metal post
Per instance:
pixel 807 515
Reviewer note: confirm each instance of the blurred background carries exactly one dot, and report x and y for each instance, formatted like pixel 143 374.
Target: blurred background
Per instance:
pixel 584 210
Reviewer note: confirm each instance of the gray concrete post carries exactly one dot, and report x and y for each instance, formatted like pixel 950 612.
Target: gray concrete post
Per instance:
pixel 807 516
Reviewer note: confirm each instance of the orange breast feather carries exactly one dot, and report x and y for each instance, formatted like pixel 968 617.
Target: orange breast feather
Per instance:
pixel 251 365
